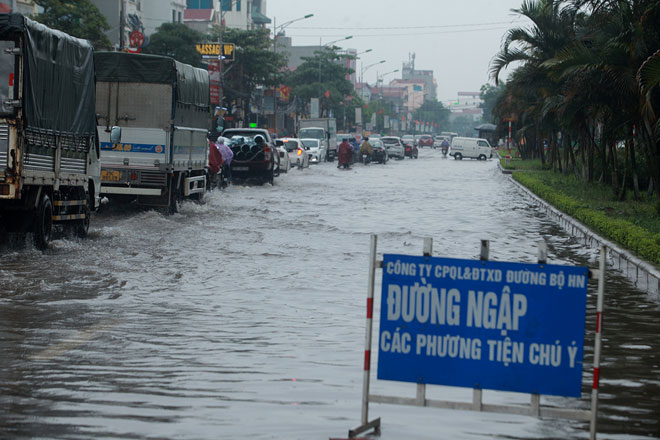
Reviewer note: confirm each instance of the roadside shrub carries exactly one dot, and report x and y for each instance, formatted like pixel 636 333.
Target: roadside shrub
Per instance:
pixel 638 240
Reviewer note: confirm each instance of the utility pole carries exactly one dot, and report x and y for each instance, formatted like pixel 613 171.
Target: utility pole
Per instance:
pixel 122 25
pixel 275 99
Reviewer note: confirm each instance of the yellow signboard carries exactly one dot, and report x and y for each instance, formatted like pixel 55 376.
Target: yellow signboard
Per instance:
pixel 213 50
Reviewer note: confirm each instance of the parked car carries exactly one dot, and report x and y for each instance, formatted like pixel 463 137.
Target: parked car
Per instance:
pixel 394 147
pixel 475 148
pixel 314 149
pixel 297 155
pixel 380 151
pixel 425 140
pixel 411 151
pixel 255 156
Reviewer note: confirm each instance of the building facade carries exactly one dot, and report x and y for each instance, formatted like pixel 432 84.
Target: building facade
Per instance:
pixel 238 14
pixel 25 7
pixel 124 17
pixel 466 104
pixel 414 93
pixel 157 12
pixel 408 72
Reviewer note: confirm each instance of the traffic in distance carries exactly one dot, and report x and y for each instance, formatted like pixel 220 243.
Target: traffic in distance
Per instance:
pixel 109 142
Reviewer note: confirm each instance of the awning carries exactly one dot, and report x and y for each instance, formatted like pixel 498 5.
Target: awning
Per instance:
pixel 260 18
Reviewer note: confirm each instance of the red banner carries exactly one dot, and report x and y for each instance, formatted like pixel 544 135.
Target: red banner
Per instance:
pixel 214 76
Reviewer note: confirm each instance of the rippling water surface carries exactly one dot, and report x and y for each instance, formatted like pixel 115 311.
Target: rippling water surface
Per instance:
pixel 244 317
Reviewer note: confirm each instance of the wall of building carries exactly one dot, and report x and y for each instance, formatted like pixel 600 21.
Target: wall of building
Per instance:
pixel 157 12
pixel 111 11
pixel 415 98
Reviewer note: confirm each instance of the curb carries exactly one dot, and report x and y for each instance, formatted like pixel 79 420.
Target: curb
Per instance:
pixel 644 275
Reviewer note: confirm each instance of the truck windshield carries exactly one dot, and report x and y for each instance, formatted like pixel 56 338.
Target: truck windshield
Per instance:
pixel 314 133
pixel 6 77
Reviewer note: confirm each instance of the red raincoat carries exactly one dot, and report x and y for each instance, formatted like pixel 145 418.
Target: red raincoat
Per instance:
pixel 215 158
pixel 345 153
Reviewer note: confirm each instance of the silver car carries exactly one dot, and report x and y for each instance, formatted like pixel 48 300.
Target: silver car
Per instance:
pixel 316 152
pixel 394 146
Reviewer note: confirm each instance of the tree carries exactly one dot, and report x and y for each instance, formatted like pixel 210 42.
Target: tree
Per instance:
pixel 588 69
pixel 178 41
pixel 489 96
pixel 255 65
pixel 323 75
pixel 78 18
pixel 432 111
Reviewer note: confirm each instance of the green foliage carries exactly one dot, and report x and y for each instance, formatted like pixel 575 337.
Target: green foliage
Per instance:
pixel 589 70
pixel 256 64
pixel 463 125
pixel 78 18
pixel 178 41
pixel 433 111
pixel 321 73
pixel 633 225
pixel 489 96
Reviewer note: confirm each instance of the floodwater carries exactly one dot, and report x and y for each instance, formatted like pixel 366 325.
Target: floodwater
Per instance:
pixel 244 317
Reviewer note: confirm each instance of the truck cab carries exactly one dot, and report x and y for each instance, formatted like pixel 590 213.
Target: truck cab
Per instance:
pixel 322 129
pixel 49 149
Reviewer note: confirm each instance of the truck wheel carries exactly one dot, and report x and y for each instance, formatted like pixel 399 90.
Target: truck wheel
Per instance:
pixel 43 222
pixel 482 157
pixel 175 201
pixel 82 226
pixel 458 156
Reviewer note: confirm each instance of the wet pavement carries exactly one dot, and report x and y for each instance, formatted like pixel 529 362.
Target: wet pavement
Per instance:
pixel 244 317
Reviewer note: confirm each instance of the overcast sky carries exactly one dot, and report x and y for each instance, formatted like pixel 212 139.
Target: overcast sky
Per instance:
pixel 454 38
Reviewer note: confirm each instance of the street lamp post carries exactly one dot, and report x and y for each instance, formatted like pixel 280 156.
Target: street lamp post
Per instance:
pixel 221 58
pixel 379 78
pixel 364 69
pixel 276 31
pixel 321 46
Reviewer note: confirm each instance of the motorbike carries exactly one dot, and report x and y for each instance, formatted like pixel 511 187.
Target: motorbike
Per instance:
pixel 444 151
pixel 366 158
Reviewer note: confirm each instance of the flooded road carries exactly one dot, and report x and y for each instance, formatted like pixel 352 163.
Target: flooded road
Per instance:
pixel 244 317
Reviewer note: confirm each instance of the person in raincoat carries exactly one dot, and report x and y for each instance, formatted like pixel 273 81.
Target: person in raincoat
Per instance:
pixel 227 156
pixel 366 148
pixel 345 154
pixel 215 162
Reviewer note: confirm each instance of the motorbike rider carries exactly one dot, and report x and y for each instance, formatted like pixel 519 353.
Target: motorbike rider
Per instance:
pixel 366 149
pixel 345 154
pixel 444 146
pixel 356 148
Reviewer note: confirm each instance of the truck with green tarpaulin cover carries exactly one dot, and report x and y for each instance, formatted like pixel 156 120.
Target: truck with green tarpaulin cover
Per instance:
pixel 162 107
pixel 49 151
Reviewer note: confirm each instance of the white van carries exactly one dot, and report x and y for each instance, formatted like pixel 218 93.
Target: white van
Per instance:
pixel 474 148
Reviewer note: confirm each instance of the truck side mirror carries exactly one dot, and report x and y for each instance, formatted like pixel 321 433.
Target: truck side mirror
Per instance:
pixel 115 135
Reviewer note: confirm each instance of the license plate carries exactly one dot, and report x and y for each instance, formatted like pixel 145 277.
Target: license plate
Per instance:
pixel 240 168
pixel 110 176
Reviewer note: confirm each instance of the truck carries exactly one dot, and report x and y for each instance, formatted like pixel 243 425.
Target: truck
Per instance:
pixel 255 154
pixel 49 147
pixel 323 129
pixel 160 109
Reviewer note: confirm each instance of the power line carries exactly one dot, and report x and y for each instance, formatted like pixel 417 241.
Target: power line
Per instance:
pixel 412 34
pixel 413 26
